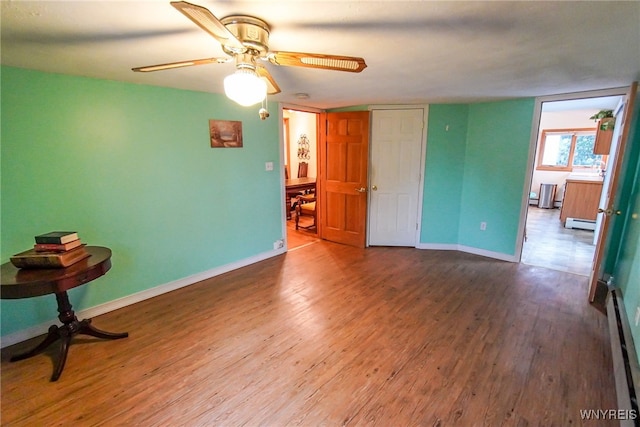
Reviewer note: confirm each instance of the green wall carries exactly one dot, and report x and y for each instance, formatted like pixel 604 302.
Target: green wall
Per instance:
pixel 444 172
pixel 475 172
pixel 130 167
pixel 626 187
pixel 626 269
pixel 498 140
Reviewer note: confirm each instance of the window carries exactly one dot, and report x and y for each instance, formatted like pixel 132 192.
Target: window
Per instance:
pixel 568 149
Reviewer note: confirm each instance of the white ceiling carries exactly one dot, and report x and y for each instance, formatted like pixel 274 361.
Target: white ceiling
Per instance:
pixel 416 51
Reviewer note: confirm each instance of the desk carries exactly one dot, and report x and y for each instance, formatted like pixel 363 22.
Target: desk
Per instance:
pixel 25 283
pixel 293 187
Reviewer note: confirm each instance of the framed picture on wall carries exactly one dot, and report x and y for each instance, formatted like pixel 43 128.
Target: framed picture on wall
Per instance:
pixel 225 133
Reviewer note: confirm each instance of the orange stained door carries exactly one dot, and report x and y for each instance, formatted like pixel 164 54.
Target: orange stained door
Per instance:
pixel 344 155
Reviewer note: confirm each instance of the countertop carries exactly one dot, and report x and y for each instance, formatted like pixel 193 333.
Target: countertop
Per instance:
pixel 584 177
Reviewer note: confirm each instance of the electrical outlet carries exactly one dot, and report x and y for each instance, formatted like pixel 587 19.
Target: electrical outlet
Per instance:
pixel 268 166
pixel 483 226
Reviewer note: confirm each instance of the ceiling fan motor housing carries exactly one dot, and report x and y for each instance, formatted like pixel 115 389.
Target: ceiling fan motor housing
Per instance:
pixel 252 32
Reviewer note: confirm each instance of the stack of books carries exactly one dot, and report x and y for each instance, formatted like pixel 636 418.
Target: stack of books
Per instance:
pixel 56 249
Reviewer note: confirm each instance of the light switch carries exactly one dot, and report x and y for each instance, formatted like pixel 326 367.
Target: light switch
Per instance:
pixel 268 166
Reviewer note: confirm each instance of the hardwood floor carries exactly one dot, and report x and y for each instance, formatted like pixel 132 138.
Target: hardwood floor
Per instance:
pixel 301 237
pixel 333 335
pixel 551 245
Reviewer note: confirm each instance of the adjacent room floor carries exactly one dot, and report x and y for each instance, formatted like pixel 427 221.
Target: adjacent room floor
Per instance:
pixel 303 236
pixel 550 245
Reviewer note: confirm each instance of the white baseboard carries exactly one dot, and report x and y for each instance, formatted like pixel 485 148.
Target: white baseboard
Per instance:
pixel 438 246
pixel 97 310
pixel 467 249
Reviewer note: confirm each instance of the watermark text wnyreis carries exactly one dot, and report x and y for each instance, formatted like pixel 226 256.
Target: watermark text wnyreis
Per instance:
pixel 608 414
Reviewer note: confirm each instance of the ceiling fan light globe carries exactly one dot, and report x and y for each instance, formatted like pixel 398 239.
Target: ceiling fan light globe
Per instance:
pixel 245 87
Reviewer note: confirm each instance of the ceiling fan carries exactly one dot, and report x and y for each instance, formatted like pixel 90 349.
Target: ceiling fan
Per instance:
pixel 246 39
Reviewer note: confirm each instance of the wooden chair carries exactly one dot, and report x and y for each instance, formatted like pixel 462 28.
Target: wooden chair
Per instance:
pixel 306 206
pixel 290 195
pixel 303 168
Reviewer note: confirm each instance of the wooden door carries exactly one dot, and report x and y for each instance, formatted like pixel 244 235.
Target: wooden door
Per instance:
pixel 609 203
pixel 344 153
pixel 396 153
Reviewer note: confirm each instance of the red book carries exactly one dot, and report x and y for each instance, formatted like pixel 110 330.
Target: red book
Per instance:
pixel 57 247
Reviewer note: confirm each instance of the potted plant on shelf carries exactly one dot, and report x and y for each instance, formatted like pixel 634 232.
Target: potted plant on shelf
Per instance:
pixel 605 119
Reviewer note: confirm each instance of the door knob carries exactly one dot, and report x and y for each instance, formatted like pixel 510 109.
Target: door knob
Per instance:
pixel 374 188
pixel 609 212
pixel 361 190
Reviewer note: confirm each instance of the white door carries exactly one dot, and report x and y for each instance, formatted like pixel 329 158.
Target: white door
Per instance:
pixel 610 209
pixel 605 196
pixel 396 149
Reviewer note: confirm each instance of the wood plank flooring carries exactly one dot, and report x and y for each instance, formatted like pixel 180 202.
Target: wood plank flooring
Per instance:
pixel 329 335
pixel 551 245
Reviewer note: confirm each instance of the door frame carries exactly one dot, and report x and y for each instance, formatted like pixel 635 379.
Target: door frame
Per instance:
pixel 317 112
pixel 535 125
pixel 423 157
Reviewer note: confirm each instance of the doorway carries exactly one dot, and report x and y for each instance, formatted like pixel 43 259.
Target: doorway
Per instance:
pixel 558 233
pixel 300 160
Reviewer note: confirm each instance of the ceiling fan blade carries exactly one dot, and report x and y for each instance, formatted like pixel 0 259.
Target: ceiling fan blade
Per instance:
pixel 316 60
pixel 272 86
pixel 179 64
pixel 206 20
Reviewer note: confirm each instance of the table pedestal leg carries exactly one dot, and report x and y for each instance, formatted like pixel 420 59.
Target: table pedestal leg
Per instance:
pixel 70 326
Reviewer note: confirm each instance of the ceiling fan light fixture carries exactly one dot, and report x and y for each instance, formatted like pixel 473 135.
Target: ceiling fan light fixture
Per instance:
pixel 245 87
pixel 245 39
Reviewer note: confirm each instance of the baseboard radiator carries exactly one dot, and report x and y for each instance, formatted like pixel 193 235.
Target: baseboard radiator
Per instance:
pixel 582 224
pixel 625 362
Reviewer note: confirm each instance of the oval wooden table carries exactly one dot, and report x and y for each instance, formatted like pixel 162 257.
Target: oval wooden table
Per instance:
pixel 26 283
